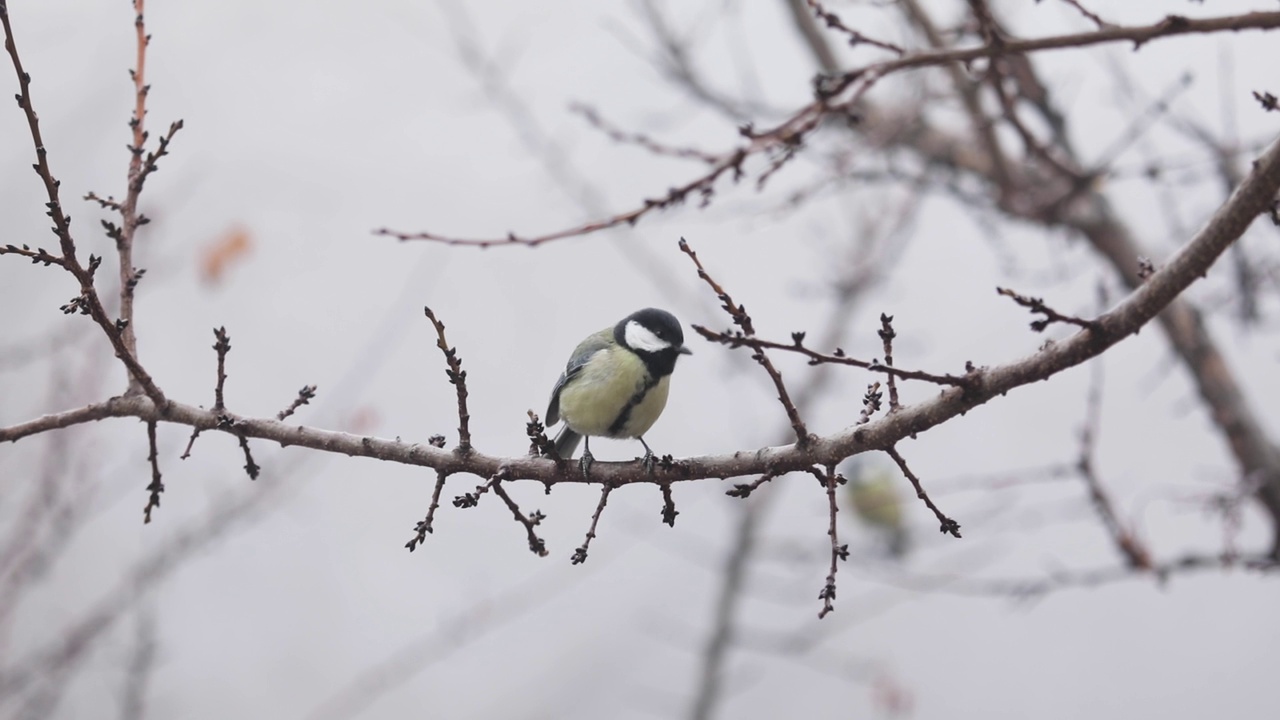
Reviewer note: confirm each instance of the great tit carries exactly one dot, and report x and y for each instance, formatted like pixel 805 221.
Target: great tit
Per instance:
pixel 615 384
pixel 873 492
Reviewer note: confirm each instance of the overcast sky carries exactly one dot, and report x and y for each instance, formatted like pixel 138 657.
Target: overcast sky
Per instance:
pixel 308 125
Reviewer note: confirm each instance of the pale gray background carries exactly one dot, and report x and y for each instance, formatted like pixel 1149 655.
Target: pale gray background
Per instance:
pixel 310 124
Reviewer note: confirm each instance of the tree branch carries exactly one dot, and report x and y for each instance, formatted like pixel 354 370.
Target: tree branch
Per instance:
pixel 1253 197
pixel 835 97
pixel 88 301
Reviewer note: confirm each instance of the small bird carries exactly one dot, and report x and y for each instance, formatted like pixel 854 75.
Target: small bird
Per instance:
pixel 615 384
pixel 873 492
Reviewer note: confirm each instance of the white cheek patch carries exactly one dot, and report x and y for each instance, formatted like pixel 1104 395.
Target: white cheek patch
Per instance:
pixel 641 338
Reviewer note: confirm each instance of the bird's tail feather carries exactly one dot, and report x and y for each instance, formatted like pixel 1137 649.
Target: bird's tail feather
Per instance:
pixel 567 442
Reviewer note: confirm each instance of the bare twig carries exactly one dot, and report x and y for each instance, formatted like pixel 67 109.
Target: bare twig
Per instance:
pixel 867 266
pixel 536 544
pixel 947 526
pixel 856 38
pixel 305 396
pixel 221 346
pixel 887 335
pixel 740 318
pixel 139 170
pixel 737 339
pixel 580 554
pixel 425 526
pixel 703 187
pixel 1036 305
pixel 457 378
pixel 191 441
pixel 744 490
pixel 225 420
pixel 838 95
pixel 87 301
pixel 250 467
pixel 839 552
pixel 870 403
pixel 1102 24
pixel 969 91
pixel 472 499
pixel 37 256
pixel 157 485
pixel 539 444
pixel 669 511
pixel 593 118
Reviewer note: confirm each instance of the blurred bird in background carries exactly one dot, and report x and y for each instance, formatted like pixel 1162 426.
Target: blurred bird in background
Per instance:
pixel 874 493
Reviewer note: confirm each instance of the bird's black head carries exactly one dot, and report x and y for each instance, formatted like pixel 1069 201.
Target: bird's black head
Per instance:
pixel 655 335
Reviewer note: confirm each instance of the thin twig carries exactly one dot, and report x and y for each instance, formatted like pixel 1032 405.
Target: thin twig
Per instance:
pixel 305 395
pixel 457 378
pixel 536 544
pixel 1093 17
pixel 472 499
pixel 739 315
pixel 225 421
pixel 1036 305
pixel 855 38
pixel 887 334
pixel 838 552
pixel 157 485
pixel 426 525
pixel 669 511
pixel 580 554
pixel 250 466
pixel 593 118
pixel 744 490
pixel 736 339
pixel 38 256
pixel 539 444
pixel 221 346
pixel 839 93
pixel 191 441
pixel 946 524
pixel 88 300
pixel 870 403
pixel 129 208
pixel 703 187
pixel 138 172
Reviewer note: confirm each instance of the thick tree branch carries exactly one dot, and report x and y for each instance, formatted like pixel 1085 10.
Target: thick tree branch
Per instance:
pixel 1253 197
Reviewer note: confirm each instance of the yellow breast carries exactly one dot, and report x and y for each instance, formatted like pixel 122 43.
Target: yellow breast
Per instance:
pixel 592 403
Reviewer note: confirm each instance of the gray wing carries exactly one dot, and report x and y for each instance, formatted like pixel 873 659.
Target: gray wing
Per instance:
pixel 581 356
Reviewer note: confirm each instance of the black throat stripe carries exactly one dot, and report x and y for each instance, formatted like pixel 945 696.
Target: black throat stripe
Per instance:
pixel 635 400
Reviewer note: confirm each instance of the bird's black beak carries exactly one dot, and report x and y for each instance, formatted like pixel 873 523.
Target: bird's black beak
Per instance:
pixel 684 350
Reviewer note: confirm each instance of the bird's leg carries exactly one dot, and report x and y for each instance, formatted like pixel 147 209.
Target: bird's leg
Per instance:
pixel 649 458
pixel 584 463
